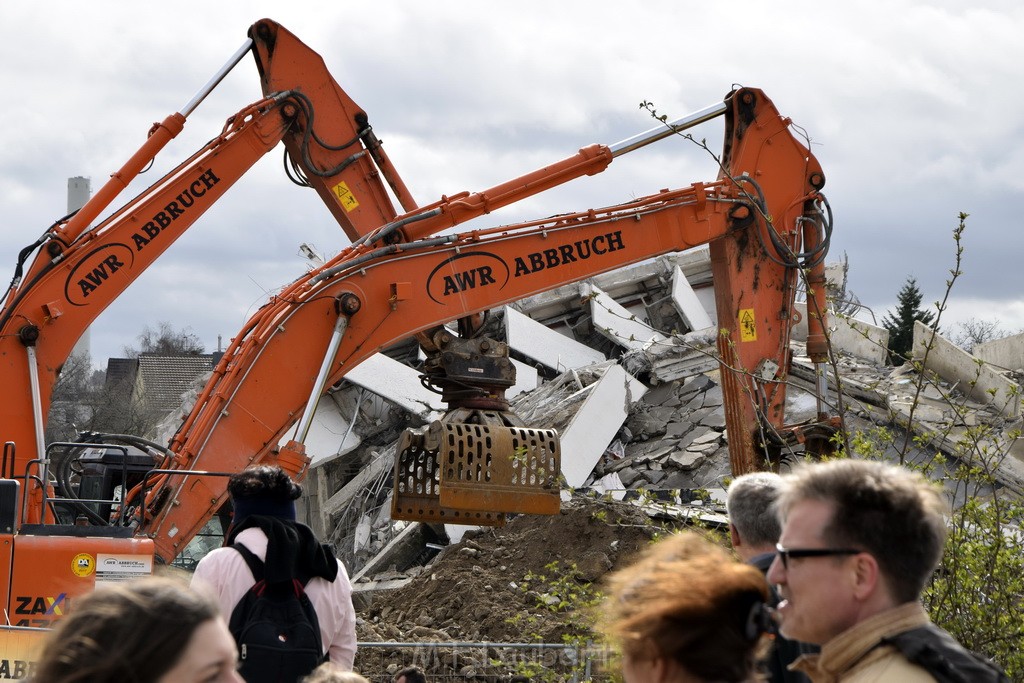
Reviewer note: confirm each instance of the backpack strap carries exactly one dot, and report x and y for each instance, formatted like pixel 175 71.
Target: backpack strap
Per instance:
pixel 256 566
pixel 255 563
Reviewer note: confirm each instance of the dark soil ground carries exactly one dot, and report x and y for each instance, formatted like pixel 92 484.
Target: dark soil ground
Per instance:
pixel 535 580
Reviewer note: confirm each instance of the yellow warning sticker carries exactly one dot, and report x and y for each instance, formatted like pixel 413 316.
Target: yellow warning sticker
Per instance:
pixel 345 196
pixel 83 565
pixel 748 327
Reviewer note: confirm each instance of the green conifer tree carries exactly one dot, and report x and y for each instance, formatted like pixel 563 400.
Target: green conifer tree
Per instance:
pixel 900 322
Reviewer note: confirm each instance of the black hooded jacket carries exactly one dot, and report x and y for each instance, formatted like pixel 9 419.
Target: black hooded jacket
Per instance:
pixel 293 552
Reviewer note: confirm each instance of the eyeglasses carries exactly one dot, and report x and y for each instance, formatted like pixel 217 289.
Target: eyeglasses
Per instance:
pixel 796 553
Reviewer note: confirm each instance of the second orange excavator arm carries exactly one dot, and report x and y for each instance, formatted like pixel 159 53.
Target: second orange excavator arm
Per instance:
pixel 79 273
pixel 79 268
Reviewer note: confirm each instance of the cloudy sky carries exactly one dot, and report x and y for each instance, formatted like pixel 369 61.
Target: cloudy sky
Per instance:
pixel 914 110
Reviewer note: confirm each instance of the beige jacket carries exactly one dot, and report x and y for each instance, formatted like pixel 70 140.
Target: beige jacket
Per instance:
pixel 855 657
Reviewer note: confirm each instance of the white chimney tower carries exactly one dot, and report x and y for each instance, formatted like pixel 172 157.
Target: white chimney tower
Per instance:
pixel 79 192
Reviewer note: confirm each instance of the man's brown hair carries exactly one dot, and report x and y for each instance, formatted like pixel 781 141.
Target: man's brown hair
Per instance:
pixel 893 513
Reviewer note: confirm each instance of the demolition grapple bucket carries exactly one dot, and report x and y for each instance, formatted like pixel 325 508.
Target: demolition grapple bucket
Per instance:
pixel 475 472
pixel 479 462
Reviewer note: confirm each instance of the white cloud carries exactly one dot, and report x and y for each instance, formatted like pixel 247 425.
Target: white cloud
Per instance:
pixel 914 115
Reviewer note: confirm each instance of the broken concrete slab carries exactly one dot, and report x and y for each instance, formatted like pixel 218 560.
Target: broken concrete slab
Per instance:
pixel 695 384
pixel 975 379
pixel 363 592
pixel 380 463
pixel 550 348
pixel 397 382
pixel 699 435
pixel 629 476
pixel 688 460
pixel 711 436
pixel 675 358
pixel 330 434
pixel 401 552
pixel 679 428
pixel 663 394
pixel 610 484
pixel 715 420
pixel 616 323
pixel 686 302
pixel 922 413
pixel 856 337
pixel 1006 353
pixel 713 397
pixel 627 282
pixel 527 379
pixel 596 423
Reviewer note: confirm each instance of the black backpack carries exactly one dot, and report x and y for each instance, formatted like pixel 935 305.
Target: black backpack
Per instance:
pixel 943 657
pixel 276 629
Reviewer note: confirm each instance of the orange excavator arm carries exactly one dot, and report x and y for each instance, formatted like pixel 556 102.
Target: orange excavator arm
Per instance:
pixel 80 268
pixel 763 218
pixel 80 271
pixel 341 157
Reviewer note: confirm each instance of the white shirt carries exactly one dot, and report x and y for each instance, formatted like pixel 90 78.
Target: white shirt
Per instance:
pixel 225 575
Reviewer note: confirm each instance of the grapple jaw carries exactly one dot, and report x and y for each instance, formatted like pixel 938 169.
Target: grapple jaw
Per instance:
pixel 474 467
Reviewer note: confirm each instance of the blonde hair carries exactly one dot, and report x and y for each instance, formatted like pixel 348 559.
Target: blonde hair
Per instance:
pixel 687 600
pixel 332 673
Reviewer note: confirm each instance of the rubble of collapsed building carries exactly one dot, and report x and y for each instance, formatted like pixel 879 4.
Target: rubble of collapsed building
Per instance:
pixel 623 365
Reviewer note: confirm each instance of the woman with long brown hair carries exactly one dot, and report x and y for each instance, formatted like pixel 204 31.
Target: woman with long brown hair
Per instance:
pixel 687 612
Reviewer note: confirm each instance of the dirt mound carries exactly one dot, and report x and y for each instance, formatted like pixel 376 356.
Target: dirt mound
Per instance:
pixel 529 581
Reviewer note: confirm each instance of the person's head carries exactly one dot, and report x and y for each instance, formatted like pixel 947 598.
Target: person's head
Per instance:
pixel 263 490
pixel 410 674
pixel 686 611
pixel 329 672
pixel 153 630
pixel 862 537
pixel 753 526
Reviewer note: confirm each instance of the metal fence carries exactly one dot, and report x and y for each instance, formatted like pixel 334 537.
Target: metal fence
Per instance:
pixel 483 661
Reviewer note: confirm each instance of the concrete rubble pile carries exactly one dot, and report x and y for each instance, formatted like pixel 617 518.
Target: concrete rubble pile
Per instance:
pixel 616 367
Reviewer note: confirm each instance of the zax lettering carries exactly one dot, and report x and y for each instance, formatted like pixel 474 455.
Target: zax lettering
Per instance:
pixel 39 611
pixel 30 604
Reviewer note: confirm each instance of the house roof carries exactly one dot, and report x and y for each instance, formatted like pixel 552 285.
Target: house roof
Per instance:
pixel 164 378
pixel 121 373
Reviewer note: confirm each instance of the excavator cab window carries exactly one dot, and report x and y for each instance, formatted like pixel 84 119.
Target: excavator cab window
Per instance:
pixel 96 478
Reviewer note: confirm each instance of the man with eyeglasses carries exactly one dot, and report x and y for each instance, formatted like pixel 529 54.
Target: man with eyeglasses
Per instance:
pixel 754 532
pixel 859 542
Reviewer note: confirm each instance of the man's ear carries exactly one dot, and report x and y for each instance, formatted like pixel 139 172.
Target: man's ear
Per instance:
pixel 866 576
pixel 734 536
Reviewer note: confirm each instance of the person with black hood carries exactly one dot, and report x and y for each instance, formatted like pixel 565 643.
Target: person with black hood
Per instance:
pixel 263 499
